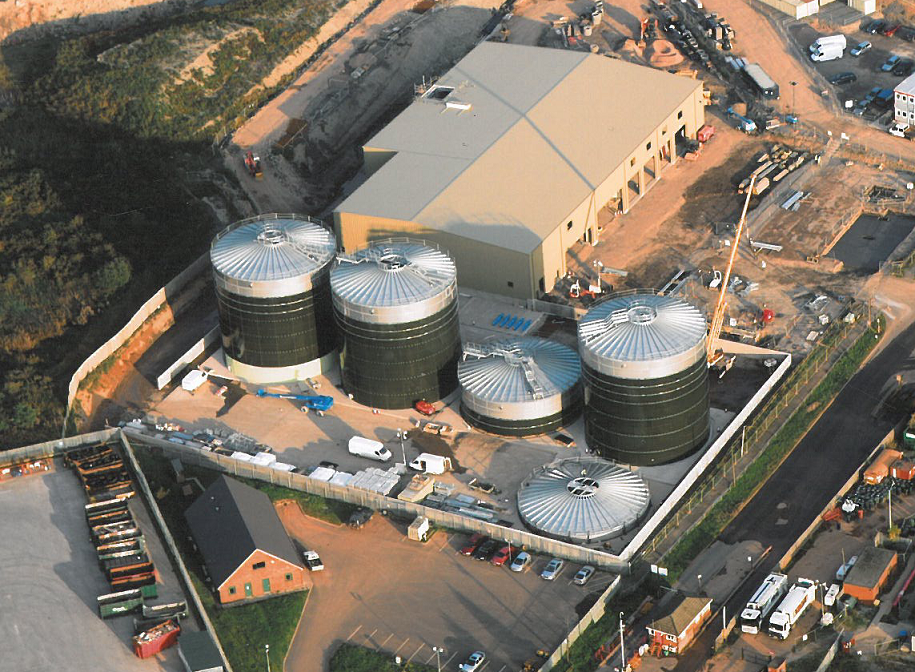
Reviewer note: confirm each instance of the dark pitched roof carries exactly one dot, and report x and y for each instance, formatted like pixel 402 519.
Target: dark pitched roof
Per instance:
pixel 198 651
pixel 231 520
pixel 682 609
pixel 869 567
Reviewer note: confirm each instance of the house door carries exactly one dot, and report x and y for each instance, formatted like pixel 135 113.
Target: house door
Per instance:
pixel 248 591
pixel 266 585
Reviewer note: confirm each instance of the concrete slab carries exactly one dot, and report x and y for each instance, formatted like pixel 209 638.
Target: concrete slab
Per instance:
pixel 50 579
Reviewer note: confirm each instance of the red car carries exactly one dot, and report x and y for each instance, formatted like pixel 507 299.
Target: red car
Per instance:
pixel 424 407
pixel 473 543
pixel 890 30
pixel 504 555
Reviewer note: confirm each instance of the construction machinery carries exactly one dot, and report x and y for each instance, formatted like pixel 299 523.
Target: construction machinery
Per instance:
pixel 576 291
pixel 314 402
pixel 714 354
pixel 253 164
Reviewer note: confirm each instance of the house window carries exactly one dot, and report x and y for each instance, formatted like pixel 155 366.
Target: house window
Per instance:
pixel 266 585
pixel 258 565
pixel 648 147
pixel 289 577
pixel 511 284
pixel 232 590
pixel 569 226
pixel 632 162
pixel 672 638
pixel 664 131
pixel 680 114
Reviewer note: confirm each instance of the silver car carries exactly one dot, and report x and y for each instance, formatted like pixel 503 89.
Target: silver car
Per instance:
pixel 553 569
pixel 583 575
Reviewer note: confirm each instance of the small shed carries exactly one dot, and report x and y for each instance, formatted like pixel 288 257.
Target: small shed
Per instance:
pixel 198 652
pixel 870 573
pixel 684 617
pixel 880 468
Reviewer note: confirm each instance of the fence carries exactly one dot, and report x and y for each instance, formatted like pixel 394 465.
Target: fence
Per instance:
pixel 594 613
pixel 193 353
pixel 119 339
pixel 753 434
pixel 373 500
pixel 38 451
pixel 166 535
pixel 697 471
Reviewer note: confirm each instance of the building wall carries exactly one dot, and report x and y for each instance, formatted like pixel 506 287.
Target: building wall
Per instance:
pixel 373 159
pixel 678 643
pixel 283 576
pixel 904 106
pixel 479 265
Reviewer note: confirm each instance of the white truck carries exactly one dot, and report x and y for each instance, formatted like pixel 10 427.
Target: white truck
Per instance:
pixel 792 608
pixel 820 42
pixel 194 380
pixel 763 601
pixel 431 464
pixel 374 450
pixel 827 52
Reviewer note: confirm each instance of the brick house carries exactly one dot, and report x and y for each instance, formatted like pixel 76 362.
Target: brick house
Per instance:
pixel 245 548
pixel 870 574
pixel 684 617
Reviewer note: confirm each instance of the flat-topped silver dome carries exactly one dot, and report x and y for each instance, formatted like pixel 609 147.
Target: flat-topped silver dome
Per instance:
pixel 519 378
pixel 583 499
pixel 642 336
pixel 393 281
pixel 271 255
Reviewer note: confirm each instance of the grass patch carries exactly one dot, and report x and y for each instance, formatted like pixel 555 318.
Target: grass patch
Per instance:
pixel 329 510
pixel 352 658
pixel 708 529
pixel 242 630
pixel 581 655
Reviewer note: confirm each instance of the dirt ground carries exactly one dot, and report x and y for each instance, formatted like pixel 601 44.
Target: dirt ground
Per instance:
pixel 383 591
pixel 356 85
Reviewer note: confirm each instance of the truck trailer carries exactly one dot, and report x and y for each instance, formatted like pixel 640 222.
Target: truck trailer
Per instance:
pixel 760 81
pixel 792 608
pixel 763 601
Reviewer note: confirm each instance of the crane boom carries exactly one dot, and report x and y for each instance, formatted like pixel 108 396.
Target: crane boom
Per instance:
pixel 718 317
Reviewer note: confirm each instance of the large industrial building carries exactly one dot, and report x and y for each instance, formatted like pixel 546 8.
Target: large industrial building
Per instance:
pixel 506 160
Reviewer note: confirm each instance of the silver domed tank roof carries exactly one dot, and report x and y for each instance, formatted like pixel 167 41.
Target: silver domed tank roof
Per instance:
pixel 518 378
pixel 642 336
pixel 393 281
pixel 583 499
pixel 271 255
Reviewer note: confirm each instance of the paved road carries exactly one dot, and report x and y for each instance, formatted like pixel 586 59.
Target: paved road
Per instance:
pixel 832 449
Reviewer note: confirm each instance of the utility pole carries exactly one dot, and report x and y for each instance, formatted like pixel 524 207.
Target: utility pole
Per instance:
pixel 438 661
pixel 622 645
pixel 267 655
pixel 401 435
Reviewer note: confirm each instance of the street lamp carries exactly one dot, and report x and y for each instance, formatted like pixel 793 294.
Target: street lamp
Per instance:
pixel 438 652
pixel 699 578
pixel 402 435
pixel 267 655
pixel 622 645
pixel 793 89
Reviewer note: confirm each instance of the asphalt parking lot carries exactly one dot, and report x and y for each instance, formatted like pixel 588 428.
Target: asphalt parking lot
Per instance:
pixel 871 240
pixel 381 590
pixel 866 67
pixel 50 579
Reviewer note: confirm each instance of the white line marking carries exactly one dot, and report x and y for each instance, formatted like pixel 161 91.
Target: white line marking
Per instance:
pixel 353 633
pixel 386 639
pixel 402 645
pixel 420 648
pixel 449 660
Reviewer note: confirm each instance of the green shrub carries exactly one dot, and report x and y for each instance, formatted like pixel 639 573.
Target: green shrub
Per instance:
pixel 352 658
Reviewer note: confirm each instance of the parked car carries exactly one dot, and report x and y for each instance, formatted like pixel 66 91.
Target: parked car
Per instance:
pixel 875 26
pixel 890 29
pixel 424 407
pixel 504 555
pixel 846 568
pixel 473 663
pixel 906 33
pixel 360 517
pixel 486 550
pixel 843 78
pixel 553 569
pixel 899 130
pixel 860 48
pixel 522 560
pixel 903 68
pixel 890 63
pixel 313 561
pixel 476 539
pixel 583 575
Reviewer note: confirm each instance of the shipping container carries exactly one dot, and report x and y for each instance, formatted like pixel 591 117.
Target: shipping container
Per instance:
pixel 119 603
pixel 159 638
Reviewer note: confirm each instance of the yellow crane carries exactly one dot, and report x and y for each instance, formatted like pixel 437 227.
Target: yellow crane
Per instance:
pixel 718 317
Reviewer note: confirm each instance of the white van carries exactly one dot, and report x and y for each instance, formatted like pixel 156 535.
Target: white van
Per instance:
pixel 821 42
pixel 431 464
pixel 374 450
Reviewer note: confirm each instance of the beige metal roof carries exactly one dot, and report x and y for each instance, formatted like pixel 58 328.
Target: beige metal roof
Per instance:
pixel 543 129
pixel 906 86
